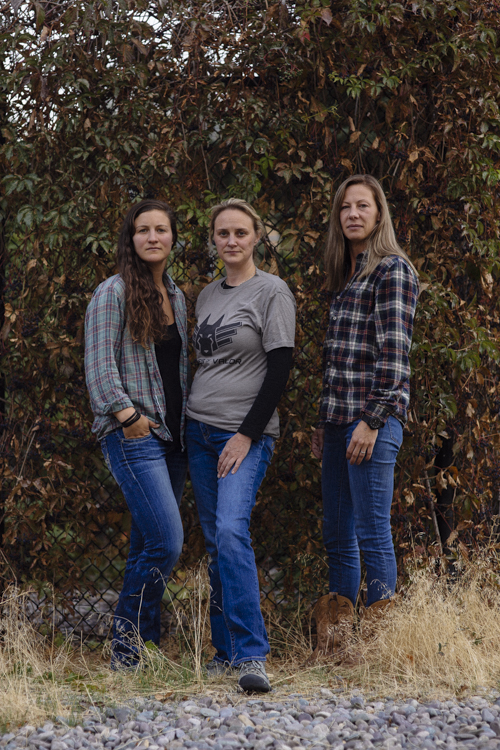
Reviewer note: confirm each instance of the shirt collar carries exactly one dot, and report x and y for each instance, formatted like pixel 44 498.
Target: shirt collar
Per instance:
pixel 359 260
pixel 169 283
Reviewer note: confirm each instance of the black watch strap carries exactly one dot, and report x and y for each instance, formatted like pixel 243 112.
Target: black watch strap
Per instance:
pixel 374 423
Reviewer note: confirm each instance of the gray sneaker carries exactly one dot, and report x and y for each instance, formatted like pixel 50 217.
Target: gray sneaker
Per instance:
pixel 253 677
pixel 216 668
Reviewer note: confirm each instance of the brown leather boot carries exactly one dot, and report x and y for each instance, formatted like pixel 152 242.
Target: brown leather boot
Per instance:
pixel 372 614
pixel 369 619
pixel 334 615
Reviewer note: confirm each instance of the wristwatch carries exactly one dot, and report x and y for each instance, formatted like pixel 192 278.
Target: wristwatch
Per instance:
pixel 375 423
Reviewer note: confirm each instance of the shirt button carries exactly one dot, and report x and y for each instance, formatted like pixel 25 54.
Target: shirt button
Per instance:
pixel 334 317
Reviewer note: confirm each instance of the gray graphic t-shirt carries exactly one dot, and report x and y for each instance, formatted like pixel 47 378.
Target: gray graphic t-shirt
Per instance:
pixel 235 328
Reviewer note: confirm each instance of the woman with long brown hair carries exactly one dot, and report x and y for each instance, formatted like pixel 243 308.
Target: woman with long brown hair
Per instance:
pixel 364 401
pixel 136 369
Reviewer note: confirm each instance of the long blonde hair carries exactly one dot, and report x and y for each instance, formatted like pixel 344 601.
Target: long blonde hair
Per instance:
pixel 380 243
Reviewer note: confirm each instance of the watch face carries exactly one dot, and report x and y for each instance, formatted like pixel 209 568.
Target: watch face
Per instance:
pixel 374 423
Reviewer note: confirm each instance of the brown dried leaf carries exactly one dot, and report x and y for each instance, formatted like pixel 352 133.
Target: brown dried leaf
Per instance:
pixel 487 282
pixel 142 49
pixel 326 15
pixel 273 267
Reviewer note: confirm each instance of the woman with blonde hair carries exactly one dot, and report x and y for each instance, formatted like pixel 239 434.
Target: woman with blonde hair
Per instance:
pixel 244 336
pixel 364 402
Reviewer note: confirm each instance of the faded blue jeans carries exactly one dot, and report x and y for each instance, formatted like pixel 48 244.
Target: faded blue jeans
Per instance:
pixel 152 481
pixel 357 511
pixel 225 506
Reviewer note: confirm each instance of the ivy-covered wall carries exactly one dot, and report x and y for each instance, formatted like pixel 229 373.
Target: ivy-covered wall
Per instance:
pixel 104 102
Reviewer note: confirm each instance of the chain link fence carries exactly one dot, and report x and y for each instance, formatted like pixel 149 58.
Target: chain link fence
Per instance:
pixel 286 544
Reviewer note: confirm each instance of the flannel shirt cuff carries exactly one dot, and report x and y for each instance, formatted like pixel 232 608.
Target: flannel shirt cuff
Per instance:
pixel 117 406
pixel 377 410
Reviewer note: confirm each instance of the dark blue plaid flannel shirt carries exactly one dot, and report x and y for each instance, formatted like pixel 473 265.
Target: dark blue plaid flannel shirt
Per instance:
pixel 365 356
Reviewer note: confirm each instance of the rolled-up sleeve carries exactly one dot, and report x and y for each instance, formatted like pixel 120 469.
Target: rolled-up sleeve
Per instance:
pixel 103 338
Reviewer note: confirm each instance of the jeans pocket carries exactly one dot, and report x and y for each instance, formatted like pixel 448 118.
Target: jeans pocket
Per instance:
pixel 268 444
pixel 138 439
pixel 395 430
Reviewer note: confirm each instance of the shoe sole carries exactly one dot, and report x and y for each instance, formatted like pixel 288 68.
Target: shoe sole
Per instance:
pixel 254 684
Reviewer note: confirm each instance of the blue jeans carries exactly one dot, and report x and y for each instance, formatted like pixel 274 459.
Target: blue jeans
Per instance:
pixel 357 511
pixel 225 506
pixel 152 481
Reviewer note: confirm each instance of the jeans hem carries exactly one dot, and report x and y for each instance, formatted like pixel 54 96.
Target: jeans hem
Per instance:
pixel 248 658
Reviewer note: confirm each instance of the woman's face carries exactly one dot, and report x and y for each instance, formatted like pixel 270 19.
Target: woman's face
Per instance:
pixel 359 215
pixel 153 237
pixel 235 238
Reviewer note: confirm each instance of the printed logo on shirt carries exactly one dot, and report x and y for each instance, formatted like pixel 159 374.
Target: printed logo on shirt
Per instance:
pixel 208 337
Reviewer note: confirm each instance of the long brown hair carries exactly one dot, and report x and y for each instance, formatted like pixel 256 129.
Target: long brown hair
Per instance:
pixel 380 243
pixel 143 300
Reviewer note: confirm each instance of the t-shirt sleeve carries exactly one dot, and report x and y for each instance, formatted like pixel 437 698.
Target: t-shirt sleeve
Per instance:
pixel 278 325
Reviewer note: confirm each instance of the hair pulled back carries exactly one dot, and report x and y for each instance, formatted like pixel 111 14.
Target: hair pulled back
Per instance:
pixel 381 243
pixel 143 300
pixel 240 205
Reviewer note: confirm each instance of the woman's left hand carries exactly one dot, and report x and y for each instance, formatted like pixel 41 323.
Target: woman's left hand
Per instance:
pixel 233 454
pixel 361 446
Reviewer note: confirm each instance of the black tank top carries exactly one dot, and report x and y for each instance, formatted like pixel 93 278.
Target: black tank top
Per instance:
pixel 168 354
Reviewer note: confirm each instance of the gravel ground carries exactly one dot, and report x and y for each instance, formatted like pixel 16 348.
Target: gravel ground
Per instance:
pixel 324 720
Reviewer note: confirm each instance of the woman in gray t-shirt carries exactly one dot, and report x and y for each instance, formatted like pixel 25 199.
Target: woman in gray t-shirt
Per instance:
pixel 244 337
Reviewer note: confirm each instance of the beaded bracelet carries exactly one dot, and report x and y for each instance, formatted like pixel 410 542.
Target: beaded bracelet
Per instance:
pixel 131 420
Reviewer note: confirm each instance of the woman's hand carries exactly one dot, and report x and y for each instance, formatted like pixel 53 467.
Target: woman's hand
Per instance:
pixel 139 429
pixel 361 446
pixel 233 454
pixel 318 438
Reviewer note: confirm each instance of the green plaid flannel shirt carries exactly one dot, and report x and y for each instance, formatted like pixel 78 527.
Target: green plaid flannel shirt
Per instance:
pixel 119 371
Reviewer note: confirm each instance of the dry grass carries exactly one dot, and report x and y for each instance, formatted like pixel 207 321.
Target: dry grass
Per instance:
pixel 30 670
pixel 193 619
pixel 441 639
